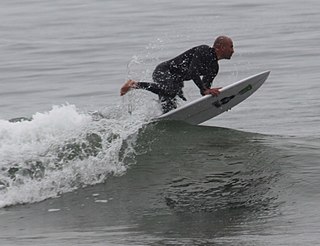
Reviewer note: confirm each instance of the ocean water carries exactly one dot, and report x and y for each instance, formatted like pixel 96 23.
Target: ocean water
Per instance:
pixel 80 165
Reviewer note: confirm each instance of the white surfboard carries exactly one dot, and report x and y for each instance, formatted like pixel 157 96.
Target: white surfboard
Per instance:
pixel 207 107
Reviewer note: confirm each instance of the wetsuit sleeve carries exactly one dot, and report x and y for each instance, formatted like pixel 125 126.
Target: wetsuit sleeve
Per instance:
pixel 207 81
pixel 197 80
pixel 203 84
pixel 194 75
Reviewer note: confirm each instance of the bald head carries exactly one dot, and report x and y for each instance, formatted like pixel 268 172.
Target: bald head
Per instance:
pixel 223 46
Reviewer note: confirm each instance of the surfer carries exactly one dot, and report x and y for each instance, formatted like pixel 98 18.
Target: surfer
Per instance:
pixel 169 76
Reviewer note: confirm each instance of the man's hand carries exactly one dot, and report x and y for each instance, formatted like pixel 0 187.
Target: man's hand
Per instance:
pixel 213 91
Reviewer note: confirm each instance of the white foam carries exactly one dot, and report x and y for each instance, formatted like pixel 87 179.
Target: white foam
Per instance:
pixel 61 150
pixel 101 201
pixel 54 210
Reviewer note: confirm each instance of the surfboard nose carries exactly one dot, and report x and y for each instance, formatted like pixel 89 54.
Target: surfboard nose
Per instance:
pixel 264 74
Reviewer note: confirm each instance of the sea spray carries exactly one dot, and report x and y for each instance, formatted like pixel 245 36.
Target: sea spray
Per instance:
pixel 61 150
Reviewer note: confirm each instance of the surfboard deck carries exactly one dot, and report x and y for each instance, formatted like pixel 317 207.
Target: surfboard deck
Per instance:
pixel 207 107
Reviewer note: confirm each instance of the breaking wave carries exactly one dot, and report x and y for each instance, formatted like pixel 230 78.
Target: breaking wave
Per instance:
pixel 62 150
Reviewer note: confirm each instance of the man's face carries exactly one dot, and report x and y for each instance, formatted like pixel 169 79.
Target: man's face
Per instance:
pixel 227 49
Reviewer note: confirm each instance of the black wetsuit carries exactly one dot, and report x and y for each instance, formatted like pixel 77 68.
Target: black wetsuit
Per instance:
pixel 190 65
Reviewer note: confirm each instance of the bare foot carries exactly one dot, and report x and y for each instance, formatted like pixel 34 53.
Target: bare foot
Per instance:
pixel 127 86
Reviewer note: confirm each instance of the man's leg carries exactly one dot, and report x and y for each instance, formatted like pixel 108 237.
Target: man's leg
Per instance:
pixel 165 83
pixel 152 87
pixel 167 103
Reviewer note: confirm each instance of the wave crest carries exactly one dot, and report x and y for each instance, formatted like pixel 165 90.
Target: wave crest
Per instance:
pixel 61 150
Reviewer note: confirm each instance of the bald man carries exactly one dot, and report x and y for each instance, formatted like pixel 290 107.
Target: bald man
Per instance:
pixel 199 64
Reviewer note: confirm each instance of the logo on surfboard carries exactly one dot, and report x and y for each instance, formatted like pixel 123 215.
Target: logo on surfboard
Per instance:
pixel 225 100
pixel 245 89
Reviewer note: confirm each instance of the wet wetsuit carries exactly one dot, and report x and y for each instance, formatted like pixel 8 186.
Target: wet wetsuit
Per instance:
pixel 190 65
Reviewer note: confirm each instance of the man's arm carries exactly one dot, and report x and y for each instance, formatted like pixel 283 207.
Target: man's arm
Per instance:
pixel 207 81
pixel 197 80
pixel 205 84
